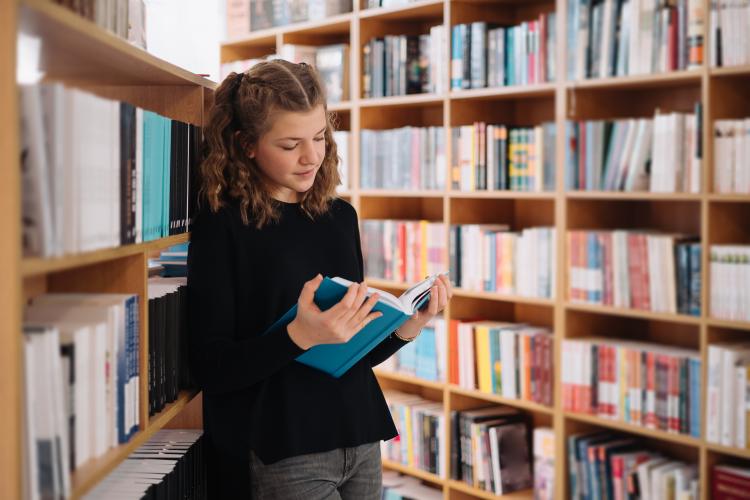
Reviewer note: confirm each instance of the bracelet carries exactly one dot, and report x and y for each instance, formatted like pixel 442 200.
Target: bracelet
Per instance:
pixel 395 332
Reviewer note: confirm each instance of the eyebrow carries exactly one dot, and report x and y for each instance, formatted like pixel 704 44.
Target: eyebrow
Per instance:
pixel 299 138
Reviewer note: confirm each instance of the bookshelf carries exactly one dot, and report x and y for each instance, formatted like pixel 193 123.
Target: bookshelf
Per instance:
pixel 716 218
pixel 83 55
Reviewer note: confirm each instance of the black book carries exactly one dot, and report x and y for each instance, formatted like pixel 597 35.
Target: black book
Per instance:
pixel 127 173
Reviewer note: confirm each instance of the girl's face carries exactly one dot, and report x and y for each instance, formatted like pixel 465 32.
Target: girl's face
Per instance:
pixel 291 152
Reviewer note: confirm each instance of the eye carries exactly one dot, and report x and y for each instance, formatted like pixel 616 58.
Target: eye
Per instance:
pixel 288 148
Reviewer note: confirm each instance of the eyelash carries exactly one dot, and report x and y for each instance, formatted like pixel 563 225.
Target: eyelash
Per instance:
pixel 317 139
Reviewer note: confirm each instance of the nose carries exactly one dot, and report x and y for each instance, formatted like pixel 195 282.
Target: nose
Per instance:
pixel 309 154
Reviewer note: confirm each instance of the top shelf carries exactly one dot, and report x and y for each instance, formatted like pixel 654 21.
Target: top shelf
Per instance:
pixel 76 50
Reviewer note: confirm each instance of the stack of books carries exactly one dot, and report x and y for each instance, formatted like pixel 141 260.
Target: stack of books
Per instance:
pixel 732 156
pixel 425 358
pixel 730 282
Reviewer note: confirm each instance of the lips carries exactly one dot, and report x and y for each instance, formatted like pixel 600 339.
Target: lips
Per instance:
pixel 306 172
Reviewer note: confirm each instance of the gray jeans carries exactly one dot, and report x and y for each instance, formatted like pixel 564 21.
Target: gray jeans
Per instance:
pixel 344 473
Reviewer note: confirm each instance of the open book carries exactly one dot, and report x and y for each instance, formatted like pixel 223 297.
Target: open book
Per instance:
pixel 336 359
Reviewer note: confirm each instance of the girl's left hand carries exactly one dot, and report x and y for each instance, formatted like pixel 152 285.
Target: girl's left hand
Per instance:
pixel 441 293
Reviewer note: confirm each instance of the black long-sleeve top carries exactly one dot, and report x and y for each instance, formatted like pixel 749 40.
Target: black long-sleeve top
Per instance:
pixel 255 395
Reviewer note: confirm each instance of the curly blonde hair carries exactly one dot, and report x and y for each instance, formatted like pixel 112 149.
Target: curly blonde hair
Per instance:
pixel 242 112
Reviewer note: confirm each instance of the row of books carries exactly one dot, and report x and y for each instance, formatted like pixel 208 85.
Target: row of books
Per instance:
pixel 244 16
pixel 729 482
pixel 732 156
pixel 421 426
pixel 509 359
pixel 81 383
pixel 660 155
pixel 610 465
pixel 330 61
pixel 644 384
pixel 730 282
pixel 403 158
pixel 730 41
pixel 403 251
pixel 424 358
pixel 404 64
pixel 124 18
pixel 169 466
pixel 628 37
pixel 167 339
pixel 491 449
pixel 490 157
pixel 484 55
pixel 99 173
pixel 635 269
pixel 491 258
pixel 727 402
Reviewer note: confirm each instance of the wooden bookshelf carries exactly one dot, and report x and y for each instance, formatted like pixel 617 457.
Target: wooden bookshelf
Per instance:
pixel 79 54
pixel 716 218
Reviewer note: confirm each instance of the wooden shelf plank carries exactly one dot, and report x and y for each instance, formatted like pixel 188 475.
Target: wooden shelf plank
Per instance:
pixel 340 106
pixel 731 70
pixel 502 195
pixel 413 471
pixel 409 379
pixel 339 23
pixel 634 429
pixel 729 198
pixel 88 475
pixel 727 323
pixel 634 313
pixel 518 299
pixel 410 100
pixel 33 266
pixel 676 78
pixel 412 10
pixel 643 195
pixel 470 490
pixel 727 450
pixel 392 193
pixel 75 49
pixel 494 398
pixel 509 92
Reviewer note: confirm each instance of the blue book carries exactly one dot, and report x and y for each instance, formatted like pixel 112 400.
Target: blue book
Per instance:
pixel 336 359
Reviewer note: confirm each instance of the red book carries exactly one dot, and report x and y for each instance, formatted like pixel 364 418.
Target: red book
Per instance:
pixel 453 352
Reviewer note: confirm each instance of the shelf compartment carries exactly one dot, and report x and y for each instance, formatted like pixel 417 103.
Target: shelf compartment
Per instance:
pixel 88 475
pixel 517 214
pixel 520 299
pixel 497 194
pixel 673 216
pixel 533 109
pixel 391 193
pixel 328 31
pixel 409 380
pixel 76 50
pixel 633 313
pixel 35 266
pixel 405 208
pixel 413 471
pixel 631 196
pixel 469 308
pixel 586 324
pixel 508 92
pixel 425 9
pixel 616 425
pixel 633 97
pixel 730 225
pixel 477 397
pixel 462 491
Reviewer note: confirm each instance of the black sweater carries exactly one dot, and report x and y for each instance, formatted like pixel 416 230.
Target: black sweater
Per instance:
pixel 255 396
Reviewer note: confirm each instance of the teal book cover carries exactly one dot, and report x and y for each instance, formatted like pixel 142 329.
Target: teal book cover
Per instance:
pixel 336 359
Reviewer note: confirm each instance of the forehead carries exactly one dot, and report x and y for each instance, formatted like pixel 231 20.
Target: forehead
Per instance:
pixel 297 123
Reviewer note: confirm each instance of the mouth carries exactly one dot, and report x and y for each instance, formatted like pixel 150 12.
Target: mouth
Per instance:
pixel 306 173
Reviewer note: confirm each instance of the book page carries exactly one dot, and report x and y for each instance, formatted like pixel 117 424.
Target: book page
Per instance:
pixel 385 297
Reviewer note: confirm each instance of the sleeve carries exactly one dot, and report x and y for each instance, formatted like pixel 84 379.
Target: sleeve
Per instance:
pixel 220 362
pixel 391 343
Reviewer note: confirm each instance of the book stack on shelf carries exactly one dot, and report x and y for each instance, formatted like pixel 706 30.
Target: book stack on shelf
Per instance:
pixel 732 156
pixel 246 16
pixel 425 358
pixel 124 18
pixel 729 482
pixel 728 32
pixel 171 465
pixel 497 157
pixel 612 465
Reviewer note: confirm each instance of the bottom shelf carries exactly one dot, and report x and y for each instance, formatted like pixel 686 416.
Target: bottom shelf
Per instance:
pixel 411 471
pixel 87 476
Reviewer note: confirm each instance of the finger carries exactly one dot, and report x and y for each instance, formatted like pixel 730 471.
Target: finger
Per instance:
pixel 432 308
pixel 356 304
pixel 308 289
pixel 367 320
pixel 364 310
pixel 344 305
pixel 443 296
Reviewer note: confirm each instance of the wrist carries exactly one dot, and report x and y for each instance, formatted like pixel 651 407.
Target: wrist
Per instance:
pixel 295 334
pixel 405 335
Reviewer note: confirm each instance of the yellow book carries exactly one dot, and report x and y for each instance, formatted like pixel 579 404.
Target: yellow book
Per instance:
pixel 484 370
pixel 409 436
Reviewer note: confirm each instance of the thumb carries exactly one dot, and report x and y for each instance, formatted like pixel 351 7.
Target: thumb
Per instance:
pixel 308 291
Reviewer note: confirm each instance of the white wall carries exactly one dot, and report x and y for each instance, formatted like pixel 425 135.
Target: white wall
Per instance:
pixel 186 33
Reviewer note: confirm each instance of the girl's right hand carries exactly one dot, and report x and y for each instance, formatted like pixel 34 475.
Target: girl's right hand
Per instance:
pixel 336 325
